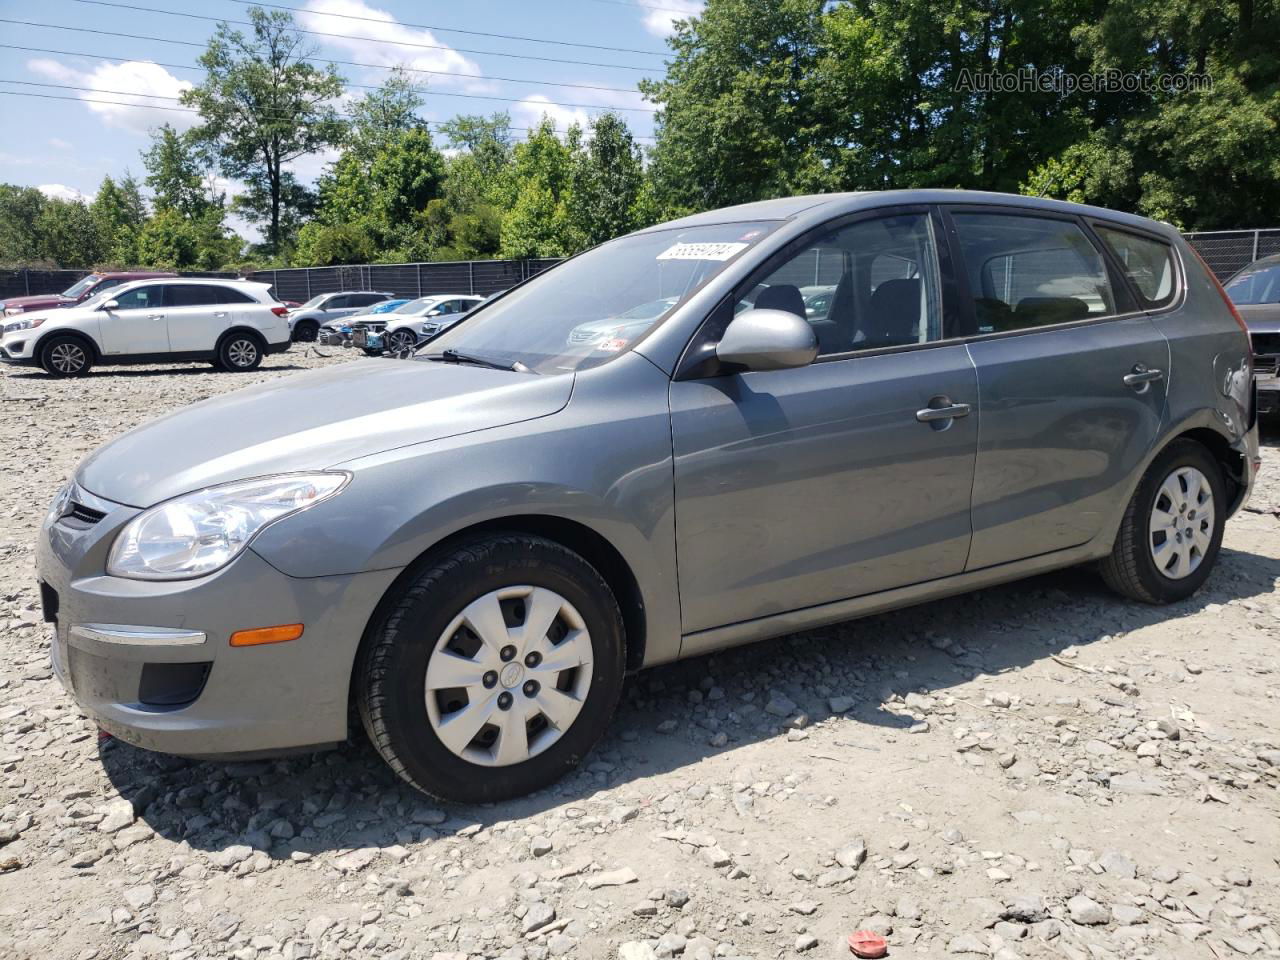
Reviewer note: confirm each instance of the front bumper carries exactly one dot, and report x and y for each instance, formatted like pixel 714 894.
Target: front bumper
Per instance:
pixel 17 348
pixel 151 662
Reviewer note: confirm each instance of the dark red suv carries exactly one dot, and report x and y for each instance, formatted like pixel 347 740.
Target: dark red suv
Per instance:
pixel 78 292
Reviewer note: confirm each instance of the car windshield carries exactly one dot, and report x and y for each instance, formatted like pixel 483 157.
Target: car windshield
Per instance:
pixel 314 302
pixel 592 307
pixel 415 308
pixel 1257 284
pixel 77 289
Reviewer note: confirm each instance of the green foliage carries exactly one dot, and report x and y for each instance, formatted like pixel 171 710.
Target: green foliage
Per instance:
pixel 325 245
pixel 607 178
pixel 19 212
pixel 120 213
pixel 262 105
pixel 539 223
pixel 69 234
pixel 178 173
pixel 172 241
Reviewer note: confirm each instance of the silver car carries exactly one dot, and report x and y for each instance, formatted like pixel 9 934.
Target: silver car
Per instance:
pixel 504 525
pixel 1255 291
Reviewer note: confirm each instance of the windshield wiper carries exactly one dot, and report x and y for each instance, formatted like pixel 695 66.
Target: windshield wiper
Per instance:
pixel 453 356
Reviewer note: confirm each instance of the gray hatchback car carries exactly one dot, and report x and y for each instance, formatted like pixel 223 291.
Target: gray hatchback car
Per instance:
pixel 505 524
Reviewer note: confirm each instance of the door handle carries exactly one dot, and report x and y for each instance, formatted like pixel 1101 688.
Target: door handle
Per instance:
pixel 1141 375
pixel 155 316
pixel 946 411
pixel 220 314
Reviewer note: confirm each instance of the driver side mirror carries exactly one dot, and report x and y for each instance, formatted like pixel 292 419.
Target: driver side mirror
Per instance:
pixel 768 340
pixel 111 305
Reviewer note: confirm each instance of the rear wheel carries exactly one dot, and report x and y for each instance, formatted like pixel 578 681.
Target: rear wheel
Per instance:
pixel 495 670
pixel 305 331
pixel 66 357
pixel 1172 529
pixel 239 352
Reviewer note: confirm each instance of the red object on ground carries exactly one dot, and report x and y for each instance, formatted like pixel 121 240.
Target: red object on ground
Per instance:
pixel 864 943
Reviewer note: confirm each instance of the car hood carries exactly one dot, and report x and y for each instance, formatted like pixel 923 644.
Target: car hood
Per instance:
pixel 313 421
pixel 43 300
pixel 1261 317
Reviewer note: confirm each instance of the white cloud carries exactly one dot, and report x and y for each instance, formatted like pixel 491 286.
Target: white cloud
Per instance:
pixel 529 111
pixel 310 165
pixel 60 191
pixel 660 21
pixel 118 92
pixel 59 144
pixel 362 38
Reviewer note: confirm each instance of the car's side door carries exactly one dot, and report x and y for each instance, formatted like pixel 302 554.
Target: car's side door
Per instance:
pixel 1072 378
pixel 196 316
pixel 136 324
pixel 805 486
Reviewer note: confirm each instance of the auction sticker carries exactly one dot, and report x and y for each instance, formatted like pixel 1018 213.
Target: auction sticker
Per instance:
pixel 612 345
pixel 701 251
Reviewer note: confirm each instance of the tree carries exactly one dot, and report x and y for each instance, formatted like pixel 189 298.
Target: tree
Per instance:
pixel 262 106
pixel 541 177
pixel 607 178
pixel 120 213
pixel 175 242
pixel 178 172
pixel 325 245
pixel 20 209
pixel 68 234
pixel 381 115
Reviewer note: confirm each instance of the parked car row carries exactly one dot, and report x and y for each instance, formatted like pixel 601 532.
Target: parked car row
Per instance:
pixel 122 318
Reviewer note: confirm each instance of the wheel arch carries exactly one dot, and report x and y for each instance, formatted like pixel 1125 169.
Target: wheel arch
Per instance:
pixel 240 328
pixel 94 350
pixel 586 542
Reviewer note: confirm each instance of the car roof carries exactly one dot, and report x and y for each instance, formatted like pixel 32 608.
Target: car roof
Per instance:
pixel 1267 261
pixel 200 281
pixel 824 206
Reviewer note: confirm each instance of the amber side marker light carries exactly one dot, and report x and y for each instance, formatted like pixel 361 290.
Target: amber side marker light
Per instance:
pixel 261 635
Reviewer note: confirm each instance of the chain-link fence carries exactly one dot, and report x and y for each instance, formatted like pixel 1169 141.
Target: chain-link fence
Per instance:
pixel 481 277
pixel 1226 251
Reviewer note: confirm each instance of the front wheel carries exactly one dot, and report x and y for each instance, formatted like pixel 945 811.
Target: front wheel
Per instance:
pixel 494 671
pixel 1172 529
pixel 66 357
pixel 399 341
pixel 306 331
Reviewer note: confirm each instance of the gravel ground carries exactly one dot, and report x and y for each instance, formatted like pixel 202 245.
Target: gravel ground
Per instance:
pixel 1037 770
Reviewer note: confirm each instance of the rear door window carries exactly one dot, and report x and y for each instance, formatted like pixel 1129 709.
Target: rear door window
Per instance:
pixel 1147 262
pixel 231 295
pixel 190 295
pixel 1028 271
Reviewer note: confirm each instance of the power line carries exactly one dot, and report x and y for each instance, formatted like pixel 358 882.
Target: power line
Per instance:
pixel 427 26
pixel 344 36
pixel 471 96
pixel 156 106
pixel 344 63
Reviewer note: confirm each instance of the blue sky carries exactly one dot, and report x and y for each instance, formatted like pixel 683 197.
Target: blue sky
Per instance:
pixel 66 146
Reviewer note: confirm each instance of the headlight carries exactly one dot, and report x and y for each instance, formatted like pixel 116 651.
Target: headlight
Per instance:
pixel 201 532
pixel 22 324
pixel 59 505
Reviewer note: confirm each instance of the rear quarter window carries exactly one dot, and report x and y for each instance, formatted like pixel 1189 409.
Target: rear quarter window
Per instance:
pixel 1146 261
pixel 231 295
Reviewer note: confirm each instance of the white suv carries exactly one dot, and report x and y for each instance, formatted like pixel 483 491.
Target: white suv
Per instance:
pixel 232 323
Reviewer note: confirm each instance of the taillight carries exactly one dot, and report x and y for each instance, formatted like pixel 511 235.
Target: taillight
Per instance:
pixel 1223 292
pixel 280 311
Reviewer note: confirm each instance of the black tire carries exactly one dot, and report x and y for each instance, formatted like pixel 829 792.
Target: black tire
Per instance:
pixel 306 331
pixel 240 352
pixel 391 670
pixel 1131 570
pixel 66 356
pixel 370 352
pixel 401 340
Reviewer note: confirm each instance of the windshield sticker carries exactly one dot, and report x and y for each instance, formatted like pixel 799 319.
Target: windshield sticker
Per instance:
pixel 701 251
pixel 612 345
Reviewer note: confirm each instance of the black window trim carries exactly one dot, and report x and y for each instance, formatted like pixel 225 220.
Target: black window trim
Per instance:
pixel 1116 276
pixel 1149 307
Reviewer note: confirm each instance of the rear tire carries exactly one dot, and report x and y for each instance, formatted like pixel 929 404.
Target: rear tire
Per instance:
pixel 452 649
pixel 306 331
pixel 1171 531
pixel 240 352
pixel 66 356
